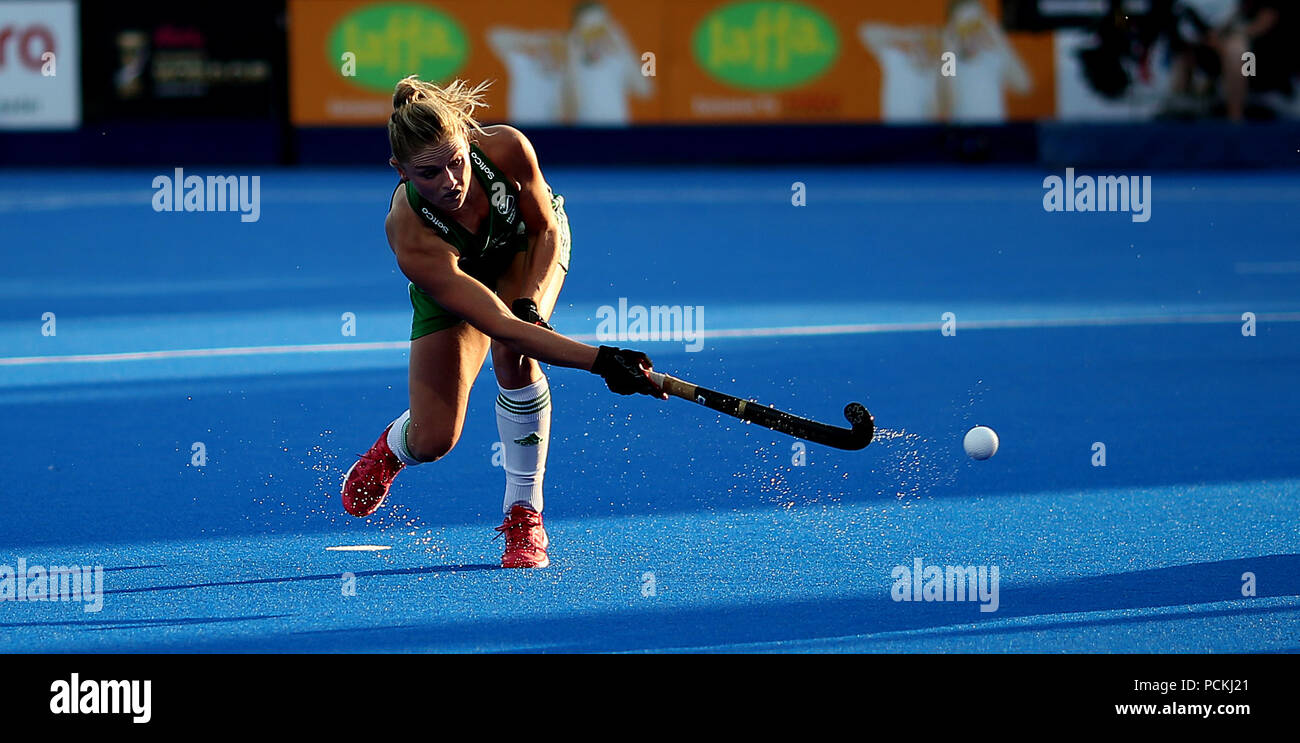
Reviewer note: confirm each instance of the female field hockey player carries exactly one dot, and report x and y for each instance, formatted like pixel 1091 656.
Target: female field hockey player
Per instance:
pixel 474 226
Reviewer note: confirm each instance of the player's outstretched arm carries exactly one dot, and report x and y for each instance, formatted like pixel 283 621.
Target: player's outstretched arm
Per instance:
pixel 431 265
pixel 435 271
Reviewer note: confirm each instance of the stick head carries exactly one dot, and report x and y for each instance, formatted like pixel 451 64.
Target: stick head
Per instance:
pixel 864 424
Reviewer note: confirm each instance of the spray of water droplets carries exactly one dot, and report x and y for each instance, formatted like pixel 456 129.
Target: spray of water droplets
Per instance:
pixel 319 501
pixel 915 466
pixel 912 466
pixel 906 467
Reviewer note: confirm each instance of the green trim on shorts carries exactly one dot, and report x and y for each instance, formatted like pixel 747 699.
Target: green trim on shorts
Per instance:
pixel 429 317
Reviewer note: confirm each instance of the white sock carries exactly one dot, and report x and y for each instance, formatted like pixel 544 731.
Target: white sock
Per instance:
pixel 397 439
pixel 524 422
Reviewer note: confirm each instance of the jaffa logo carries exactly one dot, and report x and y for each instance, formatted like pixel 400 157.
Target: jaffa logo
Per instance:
pixel 765 45
pixel 392 39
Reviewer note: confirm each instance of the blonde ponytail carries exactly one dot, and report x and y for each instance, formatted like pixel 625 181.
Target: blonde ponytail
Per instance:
pixel 425 114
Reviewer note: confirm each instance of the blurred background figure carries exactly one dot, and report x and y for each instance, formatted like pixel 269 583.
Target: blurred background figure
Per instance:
pixel 1209 40
pixel 909 59
pixel 986 66
pixel 1188 57
pixel 535 62
pixel 603 68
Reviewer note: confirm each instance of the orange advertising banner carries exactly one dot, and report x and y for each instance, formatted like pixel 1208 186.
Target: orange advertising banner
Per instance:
pixel 621 62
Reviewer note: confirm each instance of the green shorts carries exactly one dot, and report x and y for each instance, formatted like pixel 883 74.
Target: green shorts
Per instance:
pixel 430 317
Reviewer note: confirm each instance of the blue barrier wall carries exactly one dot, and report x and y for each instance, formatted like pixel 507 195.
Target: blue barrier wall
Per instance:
pixel 1199 145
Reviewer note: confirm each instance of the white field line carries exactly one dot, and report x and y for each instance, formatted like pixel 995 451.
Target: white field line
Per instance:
pixel 190 353
pixel 795 331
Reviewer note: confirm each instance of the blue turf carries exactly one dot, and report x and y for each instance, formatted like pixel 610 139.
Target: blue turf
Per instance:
pixel 748 551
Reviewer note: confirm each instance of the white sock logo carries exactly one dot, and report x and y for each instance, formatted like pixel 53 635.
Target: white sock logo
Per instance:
pixel 531 439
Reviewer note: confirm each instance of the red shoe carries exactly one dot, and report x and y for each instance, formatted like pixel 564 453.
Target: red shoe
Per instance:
pixel 526 539
pixel 366 485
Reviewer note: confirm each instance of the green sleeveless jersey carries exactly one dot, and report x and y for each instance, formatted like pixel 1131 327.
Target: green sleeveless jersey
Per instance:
pixel 488 254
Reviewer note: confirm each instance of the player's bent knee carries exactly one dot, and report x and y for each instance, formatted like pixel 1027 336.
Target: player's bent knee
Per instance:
pixel 502 352
pixel 429 446
pixel 512 366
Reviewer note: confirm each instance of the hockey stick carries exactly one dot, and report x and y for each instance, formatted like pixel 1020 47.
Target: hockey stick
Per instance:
pixel 857 437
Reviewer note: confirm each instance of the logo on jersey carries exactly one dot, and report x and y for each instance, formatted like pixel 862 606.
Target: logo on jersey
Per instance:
pixel 479 161
pixel 429 215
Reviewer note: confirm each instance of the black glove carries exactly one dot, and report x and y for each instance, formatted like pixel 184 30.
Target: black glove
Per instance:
pixel 623 373
pixel 526 309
